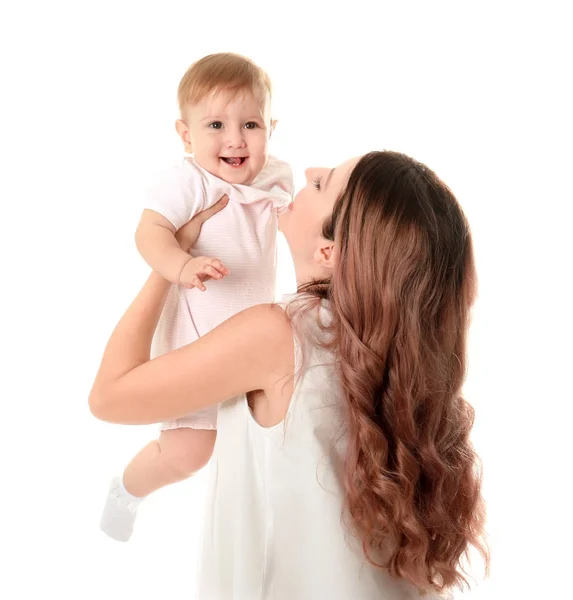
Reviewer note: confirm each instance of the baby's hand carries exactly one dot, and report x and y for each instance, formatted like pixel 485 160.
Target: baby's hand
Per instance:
pixel 201 269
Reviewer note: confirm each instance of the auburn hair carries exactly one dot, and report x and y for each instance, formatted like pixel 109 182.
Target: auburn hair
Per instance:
pixel 400 296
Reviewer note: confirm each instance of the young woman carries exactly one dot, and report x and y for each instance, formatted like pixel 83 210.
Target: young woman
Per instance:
pixel 342 467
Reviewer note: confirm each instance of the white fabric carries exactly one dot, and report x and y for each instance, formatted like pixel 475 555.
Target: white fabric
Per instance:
pixel 242 236
pixel 119 512
pixel 273 529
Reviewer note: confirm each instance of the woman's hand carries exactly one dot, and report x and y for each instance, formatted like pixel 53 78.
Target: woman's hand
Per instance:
pixel 200 269
pixel 188 234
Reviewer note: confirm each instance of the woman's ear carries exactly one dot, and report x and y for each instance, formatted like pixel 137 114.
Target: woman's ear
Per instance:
pixel 183 132
pixel 325 255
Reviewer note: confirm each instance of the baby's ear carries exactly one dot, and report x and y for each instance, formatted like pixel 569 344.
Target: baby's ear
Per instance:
pixel 183 132
pixel 273 125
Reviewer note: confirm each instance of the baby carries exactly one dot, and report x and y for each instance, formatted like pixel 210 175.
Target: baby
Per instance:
pixel 225 125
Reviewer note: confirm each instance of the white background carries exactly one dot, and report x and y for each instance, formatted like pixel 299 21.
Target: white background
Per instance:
pixel 478 91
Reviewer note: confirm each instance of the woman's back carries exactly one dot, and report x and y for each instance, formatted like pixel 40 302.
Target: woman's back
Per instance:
pixel 274 521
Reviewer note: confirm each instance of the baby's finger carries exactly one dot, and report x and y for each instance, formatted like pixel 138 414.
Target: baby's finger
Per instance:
pixel 212 272
pixel 215 262
pixel 198 283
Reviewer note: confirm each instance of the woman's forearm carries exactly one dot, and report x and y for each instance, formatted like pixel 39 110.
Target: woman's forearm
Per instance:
pixel 130 343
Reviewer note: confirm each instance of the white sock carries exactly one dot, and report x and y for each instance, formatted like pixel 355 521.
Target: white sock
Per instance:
pixel 119 512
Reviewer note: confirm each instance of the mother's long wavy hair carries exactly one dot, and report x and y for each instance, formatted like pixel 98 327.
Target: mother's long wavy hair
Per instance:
pixel 401 295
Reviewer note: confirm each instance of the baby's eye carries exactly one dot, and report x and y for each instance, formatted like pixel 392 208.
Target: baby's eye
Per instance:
pixel 316 182
pixel 251 125
pixel 216 125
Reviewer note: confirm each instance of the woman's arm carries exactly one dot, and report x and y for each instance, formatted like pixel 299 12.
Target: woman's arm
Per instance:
pixel 247 352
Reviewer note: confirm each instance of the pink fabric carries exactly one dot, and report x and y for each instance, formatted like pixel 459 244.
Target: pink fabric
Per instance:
pixel 242 236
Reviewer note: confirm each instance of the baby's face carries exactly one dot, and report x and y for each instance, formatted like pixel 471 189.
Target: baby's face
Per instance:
pixel 229 135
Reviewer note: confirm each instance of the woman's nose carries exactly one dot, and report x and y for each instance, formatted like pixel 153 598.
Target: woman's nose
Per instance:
pixel 309 173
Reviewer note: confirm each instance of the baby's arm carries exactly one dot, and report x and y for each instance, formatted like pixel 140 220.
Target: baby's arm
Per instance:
pixel 155 241
pixel 176 197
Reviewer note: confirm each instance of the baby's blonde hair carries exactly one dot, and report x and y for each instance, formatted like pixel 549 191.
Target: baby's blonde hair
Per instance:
pixel 222 71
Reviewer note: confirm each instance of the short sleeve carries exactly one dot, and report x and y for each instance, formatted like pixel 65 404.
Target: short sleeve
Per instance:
pixel 177 194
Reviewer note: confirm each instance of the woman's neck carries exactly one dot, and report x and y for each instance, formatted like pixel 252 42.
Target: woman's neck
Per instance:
pixel 310 273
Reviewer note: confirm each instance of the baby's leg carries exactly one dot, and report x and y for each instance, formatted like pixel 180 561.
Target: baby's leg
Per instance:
pixel 175 456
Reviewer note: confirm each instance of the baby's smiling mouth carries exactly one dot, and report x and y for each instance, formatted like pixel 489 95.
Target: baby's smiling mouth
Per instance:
pixel 234 161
